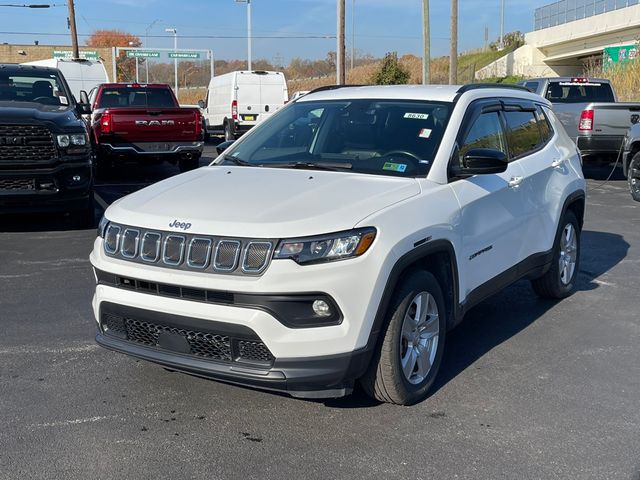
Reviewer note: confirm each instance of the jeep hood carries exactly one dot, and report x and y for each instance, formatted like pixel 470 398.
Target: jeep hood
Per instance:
pixel 261 202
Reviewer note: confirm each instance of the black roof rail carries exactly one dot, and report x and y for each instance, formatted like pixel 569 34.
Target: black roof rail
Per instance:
pixel 333 87
pixel 478 86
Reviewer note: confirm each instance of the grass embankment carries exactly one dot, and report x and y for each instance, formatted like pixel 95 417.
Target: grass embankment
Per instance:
pixel 625 79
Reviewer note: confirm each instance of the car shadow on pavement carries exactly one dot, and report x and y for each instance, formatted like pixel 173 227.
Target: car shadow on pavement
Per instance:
pixel 507 313
pixel 45 222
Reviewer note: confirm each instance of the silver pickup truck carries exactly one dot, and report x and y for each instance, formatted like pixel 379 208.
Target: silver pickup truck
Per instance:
pixel 590 112
pixel 631 160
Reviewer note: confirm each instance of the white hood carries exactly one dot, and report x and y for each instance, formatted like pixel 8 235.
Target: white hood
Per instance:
pixel 261 202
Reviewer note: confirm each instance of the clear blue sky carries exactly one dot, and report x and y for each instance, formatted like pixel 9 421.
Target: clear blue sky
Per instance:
pixel 380 25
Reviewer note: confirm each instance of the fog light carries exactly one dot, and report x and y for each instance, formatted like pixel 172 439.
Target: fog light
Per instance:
pixel 321 308
pixel 76 178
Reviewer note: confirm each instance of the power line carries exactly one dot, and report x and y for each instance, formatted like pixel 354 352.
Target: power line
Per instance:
pixel 321 37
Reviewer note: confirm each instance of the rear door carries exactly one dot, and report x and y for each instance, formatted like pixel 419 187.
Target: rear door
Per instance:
pixel 492 206
pixel 248 96
pixel 272 94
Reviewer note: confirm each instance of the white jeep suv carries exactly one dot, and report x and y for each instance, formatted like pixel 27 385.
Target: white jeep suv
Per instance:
pixel 341 239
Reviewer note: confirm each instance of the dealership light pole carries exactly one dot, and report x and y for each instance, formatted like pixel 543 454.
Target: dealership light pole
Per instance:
pixel 248 2
pixel 175 60
pixel 146 44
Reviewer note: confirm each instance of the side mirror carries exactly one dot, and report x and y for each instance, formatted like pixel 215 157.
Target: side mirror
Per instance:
pixel 223 146
pixel 84 98
pixel 201 104
pixel 84 107
pixel 483 161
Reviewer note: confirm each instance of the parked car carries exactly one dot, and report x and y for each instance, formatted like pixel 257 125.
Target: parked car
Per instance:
pixel 590 112
pixel 45 153
pixel 80 74
pixel 237 101
pixel 144 123
pixel 357 226
pixel 631 161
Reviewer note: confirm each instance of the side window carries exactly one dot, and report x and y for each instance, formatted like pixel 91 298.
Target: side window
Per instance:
pixel 545 127
pixel 486 132
pixel 524 133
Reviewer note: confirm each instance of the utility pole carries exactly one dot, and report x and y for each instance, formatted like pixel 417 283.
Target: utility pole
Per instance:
pixel 72 26
pixel 426 54
pixel 453 58
pixel 353 32
pixel 501 45
pixel 340 52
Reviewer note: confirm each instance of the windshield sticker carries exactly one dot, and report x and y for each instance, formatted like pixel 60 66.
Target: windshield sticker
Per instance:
pixel 63 100
pixel 394 167
pixel 416 116
pixel 425 133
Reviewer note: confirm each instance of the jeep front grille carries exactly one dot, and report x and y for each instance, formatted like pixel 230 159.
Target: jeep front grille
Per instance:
pixel 26 143
pixel 237 256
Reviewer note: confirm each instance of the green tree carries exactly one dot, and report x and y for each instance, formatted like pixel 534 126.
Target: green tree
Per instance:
pixel 391 72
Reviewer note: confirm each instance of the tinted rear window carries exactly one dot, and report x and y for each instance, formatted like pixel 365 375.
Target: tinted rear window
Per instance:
pixel 569 92
pixel 123 97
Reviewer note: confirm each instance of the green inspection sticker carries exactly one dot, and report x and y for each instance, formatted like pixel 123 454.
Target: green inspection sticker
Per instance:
pixel 396 167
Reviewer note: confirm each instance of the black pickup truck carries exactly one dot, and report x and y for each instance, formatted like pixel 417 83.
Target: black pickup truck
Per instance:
pixel 45 152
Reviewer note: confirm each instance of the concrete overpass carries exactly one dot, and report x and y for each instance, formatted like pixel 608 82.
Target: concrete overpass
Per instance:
pixel 563 41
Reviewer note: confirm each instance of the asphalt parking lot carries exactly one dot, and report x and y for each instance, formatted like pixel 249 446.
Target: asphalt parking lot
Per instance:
pixel 529 389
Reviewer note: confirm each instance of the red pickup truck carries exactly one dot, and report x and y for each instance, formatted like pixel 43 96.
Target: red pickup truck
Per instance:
pixel 131 121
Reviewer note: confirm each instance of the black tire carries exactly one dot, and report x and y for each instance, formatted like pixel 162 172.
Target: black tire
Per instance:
pixel 633 177
pixel 228 132
pixel 556 283
pixel 384 379
pixel 186 164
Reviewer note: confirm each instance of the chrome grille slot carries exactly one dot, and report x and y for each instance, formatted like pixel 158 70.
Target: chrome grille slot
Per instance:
pixel 112 239
pixel 173 250
pixel 256 256
pixel 130 239
pixel 226 257
pixel 150 250
pixel 185 251
pixel 199 251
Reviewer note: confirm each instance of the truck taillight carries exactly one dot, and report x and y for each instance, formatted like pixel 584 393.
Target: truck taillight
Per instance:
pixel 234 109
pixel 586 120
pixel 106 125
pixel 198 124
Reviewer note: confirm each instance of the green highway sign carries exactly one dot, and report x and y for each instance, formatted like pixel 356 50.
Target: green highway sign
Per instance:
pixel 86 54
pixel 142 54
pixel 184 55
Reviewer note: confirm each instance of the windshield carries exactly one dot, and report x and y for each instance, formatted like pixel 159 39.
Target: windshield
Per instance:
pixel 382 137
pixel 136 97
pixel 579 92
pixel 34 87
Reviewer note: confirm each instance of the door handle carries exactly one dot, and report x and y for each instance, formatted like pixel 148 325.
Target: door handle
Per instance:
pixel 515 182
pixel 557 162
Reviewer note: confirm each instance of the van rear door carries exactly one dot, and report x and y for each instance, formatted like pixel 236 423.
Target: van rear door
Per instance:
pixel 248 95
pixel 273 94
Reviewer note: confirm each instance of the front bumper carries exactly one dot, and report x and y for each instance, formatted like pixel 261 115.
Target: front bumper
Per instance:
pixel 310 377
pixel 66 186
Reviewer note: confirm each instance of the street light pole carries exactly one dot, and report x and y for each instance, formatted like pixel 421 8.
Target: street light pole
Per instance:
pixel 146 44
pixel 353 32
pixel 501 24
pixel 175 60
pixel 426 39
pixel 248 2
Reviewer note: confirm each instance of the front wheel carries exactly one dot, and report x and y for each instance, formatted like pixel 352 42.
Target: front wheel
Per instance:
pixel 407 360
pixel 633 177
pixel 560 279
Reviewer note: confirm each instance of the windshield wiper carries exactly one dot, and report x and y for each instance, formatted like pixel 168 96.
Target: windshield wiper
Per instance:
pixel 238 161
pixel 333 167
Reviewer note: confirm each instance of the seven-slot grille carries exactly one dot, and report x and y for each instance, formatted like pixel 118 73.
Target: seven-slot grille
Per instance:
pixel 29 143
pixel 185 251
pixel 206 344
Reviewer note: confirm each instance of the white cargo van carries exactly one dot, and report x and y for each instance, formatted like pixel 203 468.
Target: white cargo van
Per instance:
pixel 237 101
pixel 80 74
